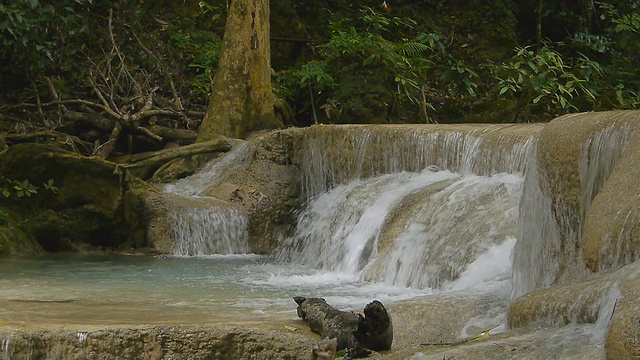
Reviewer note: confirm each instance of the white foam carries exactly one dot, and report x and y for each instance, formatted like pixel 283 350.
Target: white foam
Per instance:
pixel 493 264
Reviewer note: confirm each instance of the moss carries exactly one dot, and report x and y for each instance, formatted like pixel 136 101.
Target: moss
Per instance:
pixel 14 240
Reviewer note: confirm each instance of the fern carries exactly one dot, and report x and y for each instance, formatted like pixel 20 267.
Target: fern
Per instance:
pixel 412 48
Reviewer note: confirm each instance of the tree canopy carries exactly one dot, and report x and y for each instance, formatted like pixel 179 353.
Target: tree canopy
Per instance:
pixel 122 76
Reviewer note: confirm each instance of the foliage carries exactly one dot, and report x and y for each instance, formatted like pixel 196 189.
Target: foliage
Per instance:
pixel 622 44
pixel 38 37
pixel 543 80
pixel 362 64
pixel 199 47
pixel 381 59
pixel 23 189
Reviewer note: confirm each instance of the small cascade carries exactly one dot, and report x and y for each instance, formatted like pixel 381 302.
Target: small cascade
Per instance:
pixel 205 228
pixel 599 156
pixel 411 208
pixel 339 230
pixel 452 229
pixel 535 255
pixel 213 230
pixel 209 176
pixel 330 158
pixel 337 157
pixel 6 342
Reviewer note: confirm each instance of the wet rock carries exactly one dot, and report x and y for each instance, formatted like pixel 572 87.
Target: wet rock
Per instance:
pixel 156 343
pixel 612 223
pixel 151 215
pixel 266 184
pixel 573 169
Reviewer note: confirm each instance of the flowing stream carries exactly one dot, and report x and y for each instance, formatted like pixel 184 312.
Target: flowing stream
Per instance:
pixel 388 215
pixel 434 213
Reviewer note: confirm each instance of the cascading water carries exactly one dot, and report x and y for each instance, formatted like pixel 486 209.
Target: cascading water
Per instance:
pixel 535 254
pixel 451 229
pixel 213 230
pixel 386 214
pixel 6 355
pixel 195 184
pixel 206 230
pixel 537 261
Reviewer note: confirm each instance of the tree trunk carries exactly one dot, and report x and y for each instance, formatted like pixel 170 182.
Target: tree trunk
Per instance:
pixel 539 25
pixel 241 98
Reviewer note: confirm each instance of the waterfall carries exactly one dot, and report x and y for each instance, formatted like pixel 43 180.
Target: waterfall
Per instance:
pixel 410 208
pixel 543 254
pixel 599 156
pixel 339 230
pixel 345 154
pixel 207 228
pixel 452 228
pixel 535 255
pixel 212 230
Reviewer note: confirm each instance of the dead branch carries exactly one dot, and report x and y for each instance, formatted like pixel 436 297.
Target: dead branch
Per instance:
pixel 107 147
pixel 176 97
pixel 106 106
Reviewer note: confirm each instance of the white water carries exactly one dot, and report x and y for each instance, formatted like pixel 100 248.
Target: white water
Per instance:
pixel 338 231
pixel 5 349
pixel 209 175
pixel 537 255
pixel 333 158
pixel 382 212
pixel 459 236
pixel 211 229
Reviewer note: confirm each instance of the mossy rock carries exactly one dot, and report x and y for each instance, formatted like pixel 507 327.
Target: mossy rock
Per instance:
pixel 87 208
pixel 14 240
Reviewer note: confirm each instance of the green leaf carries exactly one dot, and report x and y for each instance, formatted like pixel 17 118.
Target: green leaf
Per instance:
pixel 563 102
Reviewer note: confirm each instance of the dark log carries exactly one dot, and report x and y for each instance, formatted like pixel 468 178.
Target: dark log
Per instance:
pixel 145 164
pixel 373 331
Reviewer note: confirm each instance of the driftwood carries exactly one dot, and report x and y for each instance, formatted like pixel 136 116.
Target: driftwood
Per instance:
pixel 372 331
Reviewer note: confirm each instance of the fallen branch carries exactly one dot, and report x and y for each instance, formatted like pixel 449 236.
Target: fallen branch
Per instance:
pixel 145 164
pixel 481 335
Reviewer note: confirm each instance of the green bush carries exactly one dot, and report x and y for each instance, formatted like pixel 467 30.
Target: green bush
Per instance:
pixel 545 84
pixel 380 64
pixel 40 38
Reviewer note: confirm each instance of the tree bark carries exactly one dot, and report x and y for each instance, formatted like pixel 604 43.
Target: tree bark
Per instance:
pixel 241 98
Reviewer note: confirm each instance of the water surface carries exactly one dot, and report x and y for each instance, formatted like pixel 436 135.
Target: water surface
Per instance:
pixel 117 289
